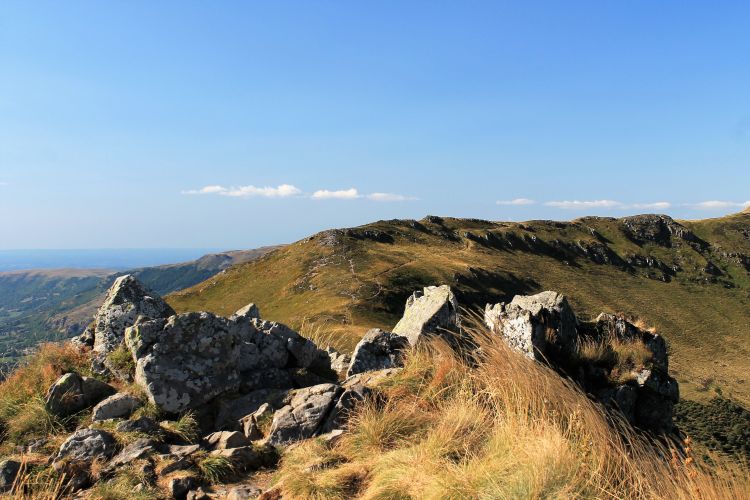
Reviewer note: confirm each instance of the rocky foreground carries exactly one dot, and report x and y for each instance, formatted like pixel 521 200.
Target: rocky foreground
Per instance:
pixel 255 387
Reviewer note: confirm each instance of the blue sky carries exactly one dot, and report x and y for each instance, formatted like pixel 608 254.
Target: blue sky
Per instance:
pixel 240 124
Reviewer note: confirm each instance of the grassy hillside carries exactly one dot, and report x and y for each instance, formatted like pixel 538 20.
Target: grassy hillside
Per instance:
pixel 690 279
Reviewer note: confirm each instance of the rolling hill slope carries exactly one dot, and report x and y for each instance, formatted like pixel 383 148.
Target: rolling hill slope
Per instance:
pixel 690 279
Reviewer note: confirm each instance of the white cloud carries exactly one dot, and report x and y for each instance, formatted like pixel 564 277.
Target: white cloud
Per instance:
pixel 718 205
pixel 583 205
pixel 516 202
pixel 343 194
pixel 389 197
pixel 659 205
pixel 281 191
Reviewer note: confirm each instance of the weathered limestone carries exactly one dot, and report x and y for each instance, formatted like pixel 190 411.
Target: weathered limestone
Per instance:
pixel 432 311
pixel 72 393
pixel 225 439
pixel 126 300
pixel 87 445
pixel 539 326
pixel 376 351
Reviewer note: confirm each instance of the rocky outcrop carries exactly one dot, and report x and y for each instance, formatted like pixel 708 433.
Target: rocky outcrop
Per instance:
pixel 377 350
pixel 432 311
pixel 188 359
pixel 126 301
pixel 8 472
pixel 539 326
pixel 72 393
pixel 543 327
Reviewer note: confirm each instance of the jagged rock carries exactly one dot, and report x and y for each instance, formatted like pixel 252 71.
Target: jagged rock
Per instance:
pixel 656 399
pixel 198 494
pixel 231 410
pixel 339 361
pixel 8 472
pixel 86 339
pixel 116 406
pixel 539 326
pixel 225 439
pixel 251 424
pixel 72 393
pixel 431 311
pixel 376 351
pixel 303 417
pixel 250 311
pixel 87 445
pixel 144 425
pixel 345 404
pixel 126 300
pixel 179 487
pixel 249 457
pixel 620 328
pixel 185 361
pixel 243 492
pixel 140 448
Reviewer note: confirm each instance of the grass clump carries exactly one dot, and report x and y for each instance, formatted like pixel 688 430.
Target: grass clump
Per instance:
pixel 497 426
pixel 23 415
pixel 121 360
pixel 215 469
pixel 185 428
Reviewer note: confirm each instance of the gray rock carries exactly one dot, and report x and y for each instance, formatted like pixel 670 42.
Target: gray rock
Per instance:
pixel 87 445
pixel 248 457
pixel 232 410
pixel 179 463
pixel 620 328
pixel 8 472
pixel 346 403
pixel 659 383
pixel 539 326
pixel 303 417
pixel 85 340
pixel 225 439
pixel 72 393
pixel 198 494
pixel 250 311
pixel 116 406
pixel 140 448
pixel 376 351
pixel 126 300
pixel 433 311
pixel 179 487
pixel 332 438
pixel 144 425
pixel 251 424
pixel 243 492
pixel 189 359
pixel 339 361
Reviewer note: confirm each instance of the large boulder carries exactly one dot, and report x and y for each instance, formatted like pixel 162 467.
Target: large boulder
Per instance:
pixel 305 414
pixel 540 326
pixel 432 311
pixel 72 393
pixel 127 299
pixel 187 360
pixel 376 351
pixel 86 445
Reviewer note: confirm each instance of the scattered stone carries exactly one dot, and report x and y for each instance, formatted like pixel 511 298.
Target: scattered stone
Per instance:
pixel 140 448
pixel 180 463
pixel 116 406
pixel 182 450
pixel 72 393
pixel 87 445
pixel 144 425
pixel 433 311
pixel 304 415
pixel 126 300
pixel 244 492
pixel 249 457
pixel 376 351
pixel 225 439
pixel 179 487
pixel 540 326
pixel 339 361
pixel 251 424
pixel 8 472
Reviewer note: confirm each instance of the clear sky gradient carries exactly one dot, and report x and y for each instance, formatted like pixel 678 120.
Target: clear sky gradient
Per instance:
pixel 240 124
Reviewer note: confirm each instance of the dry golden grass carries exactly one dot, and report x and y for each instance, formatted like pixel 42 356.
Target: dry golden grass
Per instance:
pixel 505 428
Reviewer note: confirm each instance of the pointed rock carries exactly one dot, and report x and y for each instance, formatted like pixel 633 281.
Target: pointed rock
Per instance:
pixel 432 311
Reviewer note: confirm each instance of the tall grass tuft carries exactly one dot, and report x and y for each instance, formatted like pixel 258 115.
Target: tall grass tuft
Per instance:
pixel 496 426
